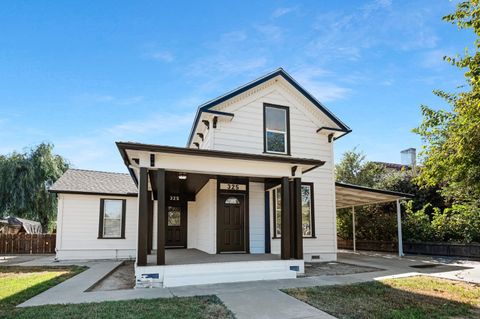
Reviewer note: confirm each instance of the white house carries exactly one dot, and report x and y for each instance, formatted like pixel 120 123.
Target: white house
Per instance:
pixel 254 187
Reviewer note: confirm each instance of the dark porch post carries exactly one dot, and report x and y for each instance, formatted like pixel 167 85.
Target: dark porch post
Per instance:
pixel 142 217
pixel 150 221
pixel 285 241
pixel 297 218
pixel 160 183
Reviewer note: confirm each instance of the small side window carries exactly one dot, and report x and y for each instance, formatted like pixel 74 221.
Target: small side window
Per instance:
pixel 112 218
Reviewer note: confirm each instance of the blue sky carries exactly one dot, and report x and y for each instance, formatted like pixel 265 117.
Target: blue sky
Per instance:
pixel 83 75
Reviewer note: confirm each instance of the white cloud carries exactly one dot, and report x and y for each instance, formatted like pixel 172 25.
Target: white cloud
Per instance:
pixel 164 56
pixel 97 149
pixel 156 124
pixel 279 12
pixel 271 32
pixel 94 98
pixel 320 83
pixel 433 59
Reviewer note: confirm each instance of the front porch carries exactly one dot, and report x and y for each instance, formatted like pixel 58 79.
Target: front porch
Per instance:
pixel 195 256
pixel 194 267
pixel 217 203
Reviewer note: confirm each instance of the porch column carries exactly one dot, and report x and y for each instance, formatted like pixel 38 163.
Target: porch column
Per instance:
pixel 297 218
pixel 399 229
pixel 160 183
pixel 353 229
pixel 150 222
pixel 285 242
pixel 142 217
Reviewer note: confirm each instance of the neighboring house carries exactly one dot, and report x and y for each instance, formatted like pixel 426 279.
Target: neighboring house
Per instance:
pixel 408 159
pixel 254 187
pixel 15 225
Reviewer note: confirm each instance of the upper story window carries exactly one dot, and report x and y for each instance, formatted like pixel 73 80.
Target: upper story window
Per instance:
pixel 276 129
pixel 112 218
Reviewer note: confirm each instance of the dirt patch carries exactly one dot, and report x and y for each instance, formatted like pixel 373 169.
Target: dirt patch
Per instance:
pixel 335 269
pixel 122 277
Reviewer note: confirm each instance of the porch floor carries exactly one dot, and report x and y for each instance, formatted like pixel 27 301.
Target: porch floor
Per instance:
pixel 195 256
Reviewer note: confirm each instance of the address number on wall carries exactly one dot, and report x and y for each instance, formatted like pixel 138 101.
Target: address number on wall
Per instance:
pixel 233 187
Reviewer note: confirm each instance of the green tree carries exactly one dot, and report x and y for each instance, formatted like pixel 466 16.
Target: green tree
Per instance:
pixel 24 181
pixel 451 154
pixel 354 169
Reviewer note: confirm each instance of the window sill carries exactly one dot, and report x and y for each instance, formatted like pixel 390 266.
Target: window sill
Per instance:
pixel 308 237
pixel 110 237
pixel 279 154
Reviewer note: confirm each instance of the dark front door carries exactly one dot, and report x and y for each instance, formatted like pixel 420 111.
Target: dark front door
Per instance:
pixel 176 227
pixel 231 223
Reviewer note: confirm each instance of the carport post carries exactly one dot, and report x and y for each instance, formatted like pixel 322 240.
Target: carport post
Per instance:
pixel 399 228
pixel 353 228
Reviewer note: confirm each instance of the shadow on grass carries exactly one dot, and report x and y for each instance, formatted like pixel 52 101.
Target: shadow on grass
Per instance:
pixel 208 307
pixel 10 302
pixel 389 301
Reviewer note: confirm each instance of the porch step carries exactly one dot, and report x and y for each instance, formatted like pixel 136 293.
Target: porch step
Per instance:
pixel 217 272
pixel 213 273
pixel 215 278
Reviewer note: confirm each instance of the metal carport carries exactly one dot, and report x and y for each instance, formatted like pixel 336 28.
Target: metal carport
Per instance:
pixel 350 196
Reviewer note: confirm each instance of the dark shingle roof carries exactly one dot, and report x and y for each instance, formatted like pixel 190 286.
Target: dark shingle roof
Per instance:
pixel 94 182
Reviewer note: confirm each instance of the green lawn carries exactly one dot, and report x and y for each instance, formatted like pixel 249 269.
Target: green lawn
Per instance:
pixel 414 297
pixel 18 284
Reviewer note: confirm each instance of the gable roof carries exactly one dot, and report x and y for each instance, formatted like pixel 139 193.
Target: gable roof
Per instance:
pixel 79 181
pixel 279 72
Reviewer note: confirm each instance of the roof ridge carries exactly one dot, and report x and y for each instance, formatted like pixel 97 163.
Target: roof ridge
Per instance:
pixel 95 171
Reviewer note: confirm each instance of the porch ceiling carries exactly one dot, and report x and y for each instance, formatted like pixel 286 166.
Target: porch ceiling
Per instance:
pixel 348 195
pixel 213 162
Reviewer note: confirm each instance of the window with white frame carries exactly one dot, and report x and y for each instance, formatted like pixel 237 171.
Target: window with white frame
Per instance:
pixel 112 215
pixel 308 228
pixel 276 127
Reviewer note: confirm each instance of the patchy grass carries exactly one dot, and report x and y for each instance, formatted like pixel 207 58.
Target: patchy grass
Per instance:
pixel 167 308
pixel 19 284
pixel 402 298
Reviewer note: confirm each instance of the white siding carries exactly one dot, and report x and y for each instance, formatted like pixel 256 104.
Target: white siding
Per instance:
pixel 78 223
pixel 245 134
pixel 257 217
pixel 202 219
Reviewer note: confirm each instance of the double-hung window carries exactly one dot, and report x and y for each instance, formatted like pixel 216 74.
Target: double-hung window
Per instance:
pixel 276 129
pixel 112 218
pixel 308 224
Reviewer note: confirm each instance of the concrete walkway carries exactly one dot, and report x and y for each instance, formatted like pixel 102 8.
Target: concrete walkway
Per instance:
pixel 269 304
pixel 259 299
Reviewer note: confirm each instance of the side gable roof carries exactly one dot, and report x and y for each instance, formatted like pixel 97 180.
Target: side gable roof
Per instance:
pixel 279 72
pixel 79 181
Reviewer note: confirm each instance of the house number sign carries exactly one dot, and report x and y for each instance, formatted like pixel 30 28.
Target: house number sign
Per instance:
pixel 174 198
pixel 233 187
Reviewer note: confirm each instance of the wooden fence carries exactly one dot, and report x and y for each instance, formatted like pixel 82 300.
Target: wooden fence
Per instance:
pixel 27 243
pixel 422 248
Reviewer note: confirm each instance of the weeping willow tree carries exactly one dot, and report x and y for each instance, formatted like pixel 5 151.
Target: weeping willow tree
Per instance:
pixel 24 182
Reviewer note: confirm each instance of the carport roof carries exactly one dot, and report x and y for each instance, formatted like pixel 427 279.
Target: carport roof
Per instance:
pixel 349 195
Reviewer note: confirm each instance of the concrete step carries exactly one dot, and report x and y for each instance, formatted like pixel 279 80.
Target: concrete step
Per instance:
pixel 175 280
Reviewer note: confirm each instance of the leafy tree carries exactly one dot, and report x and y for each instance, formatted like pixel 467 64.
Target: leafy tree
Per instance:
pixel 378 222
pixel 354 169
pixel 24 181
pixel 451 155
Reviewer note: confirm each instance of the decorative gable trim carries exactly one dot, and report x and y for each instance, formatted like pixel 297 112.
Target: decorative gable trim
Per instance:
pixel 258 83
